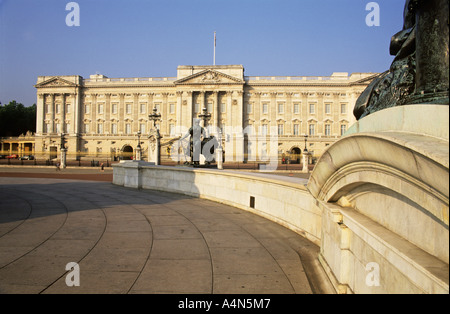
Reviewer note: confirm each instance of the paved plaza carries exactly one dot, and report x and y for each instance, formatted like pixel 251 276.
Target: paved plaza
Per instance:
pixel 140 241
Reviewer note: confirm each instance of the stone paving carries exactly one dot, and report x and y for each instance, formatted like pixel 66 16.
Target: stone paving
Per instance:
pixel 141 241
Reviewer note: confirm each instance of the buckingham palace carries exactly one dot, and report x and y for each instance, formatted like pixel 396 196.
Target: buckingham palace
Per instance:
pixel 109 117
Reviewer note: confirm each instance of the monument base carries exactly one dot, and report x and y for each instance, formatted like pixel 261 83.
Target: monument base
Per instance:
pixel 382 187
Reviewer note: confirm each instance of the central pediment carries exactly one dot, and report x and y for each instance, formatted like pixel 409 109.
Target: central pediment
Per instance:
pixel 209 77
pixel 56 82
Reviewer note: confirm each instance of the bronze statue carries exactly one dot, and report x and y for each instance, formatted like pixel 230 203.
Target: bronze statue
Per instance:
pixel 419 72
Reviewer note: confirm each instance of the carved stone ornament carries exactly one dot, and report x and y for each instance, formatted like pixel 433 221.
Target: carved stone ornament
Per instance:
pixel 56 83
pixel 211 77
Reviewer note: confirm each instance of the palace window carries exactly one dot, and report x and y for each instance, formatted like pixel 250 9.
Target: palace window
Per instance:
pixel 114 128
pixel 296 108
pixel 128 108
pixel 327 129
pixel 343 108
pixel 223 107
pixel 296 129
pixel 280 129
pixel 67 108
pixel 142 128
pixel 100 108
pixel 265 108
pixel 249 107
pixel 142 108
pixel 128 128
pixel 264 129
pixel 87 128
pixel 172 108
pixel 312 108
pixel 328 108
pixel 58 108
pixel 100 128
pixel 280 107
pixel 114 108
pixel 343 129
pixel 312 129
pixel 210 107
pixel 87 109
pixel 67 130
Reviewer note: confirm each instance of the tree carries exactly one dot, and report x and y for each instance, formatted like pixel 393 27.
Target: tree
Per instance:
pixel 16 119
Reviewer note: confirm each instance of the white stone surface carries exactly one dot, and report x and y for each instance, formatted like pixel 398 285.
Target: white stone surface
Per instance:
pixel 384 193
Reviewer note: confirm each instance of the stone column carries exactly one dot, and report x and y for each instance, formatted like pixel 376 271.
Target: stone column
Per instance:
pixel 304 112
pixel 136 108
pixel 216 113
pixel 239 126
pixel 107 126
pixel 52 114
pixel 63 113
pixel 179 116
pixel 288 112
pixel 149 110
pixel 336 112
pixel 40 113
pixel 190 108
pixel 164 127
pixel 319 113
pixel 94 113
pixel 77 113
pixel 121 109
pixel 273 109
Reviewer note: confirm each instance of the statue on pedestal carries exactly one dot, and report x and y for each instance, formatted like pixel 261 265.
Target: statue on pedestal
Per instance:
pixel 419 72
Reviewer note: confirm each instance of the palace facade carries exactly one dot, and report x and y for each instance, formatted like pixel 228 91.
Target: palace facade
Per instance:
pixel 108 117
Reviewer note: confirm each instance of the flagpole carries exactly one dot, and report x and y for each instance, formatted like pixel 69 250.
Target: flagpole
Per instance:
pixel 214 49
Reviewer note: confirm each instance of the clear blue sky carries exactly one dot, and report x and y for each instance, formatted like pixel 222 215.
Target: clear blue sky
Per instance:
pixel 146 38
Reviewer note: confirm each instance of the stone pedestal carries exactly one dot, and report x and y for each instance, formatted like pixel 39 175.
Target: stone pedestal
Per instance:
pixel 63 157
pixel 305 168
pixel 219 157
pixel 138 153
pixel 154 148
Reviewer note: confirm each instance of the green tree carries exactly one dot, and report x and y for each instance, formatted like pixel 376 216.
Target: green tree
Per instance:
pixel 16 119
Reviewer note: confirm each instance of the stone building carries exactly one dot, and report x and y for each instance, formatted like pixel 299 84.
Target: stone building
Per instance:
pixel 101 116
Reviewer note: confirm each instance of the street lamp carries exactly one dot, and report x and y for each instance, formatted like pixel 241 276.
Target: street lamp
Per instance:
pixel 155 155
pixel 138 147
pixel 139 139
pixel 155 116
pixel 205 116
pixel 305 150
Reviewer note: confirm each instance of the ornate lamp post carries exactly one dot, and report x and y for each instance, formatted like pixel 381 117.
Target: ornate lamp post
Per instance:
pixel 205 116
pixel 305 150
pixel 154 116
pixel 63 151
pixel 138 147
pixel 156 146
pixel 305 157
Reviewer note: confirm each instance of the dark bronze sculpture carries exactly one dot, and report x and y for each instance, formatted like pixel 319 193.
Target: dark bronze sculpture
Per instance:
pixel 200 144
pixel 419 72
